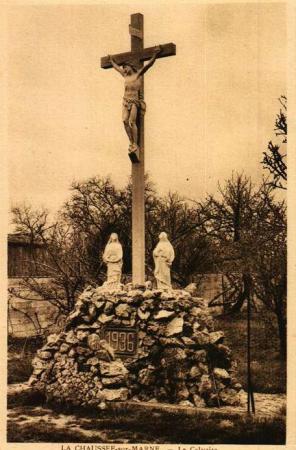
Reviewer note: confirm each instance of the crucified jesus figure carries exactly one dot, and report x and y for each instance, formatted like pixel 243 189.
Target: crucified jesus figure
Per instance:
pixel 132 101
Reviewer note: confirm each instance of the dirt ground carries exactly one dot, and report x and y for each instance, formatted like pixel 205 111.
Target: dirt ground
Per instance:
pixel 131 422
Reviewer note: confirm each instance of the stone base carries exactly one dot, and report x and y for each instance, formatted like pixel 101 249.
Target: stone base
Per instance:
pixel 143 345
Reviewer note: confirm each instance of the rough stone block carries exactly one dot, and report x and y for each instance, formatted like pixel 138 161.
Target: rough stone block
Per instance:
pixel 44 355
pixel 221 374
pixel 174 327
pixel 216 337
pixel 143 315
pixel 112 395
pixel 163 314
pixel 113 369
pixel 94 342
pixel 104 318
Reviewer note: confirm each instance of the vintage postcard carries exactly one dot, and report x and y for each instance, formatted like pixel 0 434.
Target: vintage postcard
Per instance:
pixel 147 275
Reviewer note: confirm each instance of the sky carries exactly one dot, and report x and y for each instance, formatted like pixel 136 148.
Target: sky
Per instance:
pixel 210 109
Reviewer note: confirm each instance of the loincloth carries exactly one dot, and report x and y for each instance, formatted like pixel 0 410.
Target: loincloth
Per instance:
pixel 129 102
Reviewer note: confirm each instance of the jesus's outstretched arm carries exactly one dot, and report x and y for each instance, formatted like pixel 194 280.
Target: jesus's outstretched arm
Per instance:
pixel 116 66
pixel 150 62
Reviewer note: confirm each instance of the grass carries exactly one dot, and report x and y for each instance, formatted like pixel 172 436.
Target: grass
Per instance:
pixel 268 371
pixel 21 351
pixel 41 432
pixel 134 426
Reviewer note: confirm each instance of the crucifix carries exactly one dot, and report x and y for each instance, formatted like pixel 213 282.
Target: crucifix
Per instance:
pixel 131 67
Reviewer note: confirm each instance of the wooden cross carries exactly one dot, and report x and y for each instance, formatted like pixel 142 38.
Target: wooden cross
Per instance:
pixel 140 54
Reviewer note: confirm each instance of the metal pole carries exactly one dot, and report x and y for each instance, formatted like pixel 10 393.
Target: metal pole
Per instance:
pixel 251 402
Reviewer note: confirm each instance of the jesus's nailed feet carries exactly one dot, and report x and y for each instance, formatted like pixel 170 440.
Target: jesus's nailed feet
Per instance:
pixel 133 148
pixel 134 153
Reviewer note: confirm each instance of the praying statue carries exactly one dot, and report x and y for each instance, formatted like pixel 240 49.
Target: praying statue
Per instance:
pixel 163 256
pixel 132 101
pixel 113 258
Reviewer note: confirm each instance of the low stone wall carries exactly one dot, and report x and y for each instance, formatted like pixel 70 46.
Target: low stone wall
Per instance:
pixel 209 285
pixel 28 317
pixel 170 352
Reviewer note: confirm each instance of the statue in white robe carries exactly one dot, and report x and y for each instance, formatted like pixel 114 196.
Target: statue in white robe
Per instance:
pixel 163 256
pixel 112 257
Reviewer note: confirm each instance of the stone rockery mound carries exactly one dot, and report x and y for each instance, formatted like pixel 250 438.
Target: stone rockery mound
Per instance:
pixel 166 350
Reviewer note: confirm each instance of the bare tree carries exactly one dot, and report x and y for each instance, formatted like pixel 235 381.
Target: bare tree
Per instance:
pixel 64 263
pixel 275 158
pixel 31 222
pixel 184 224
pixel 235 232
pixel 270 260
pixel 96 209
pixel 248 226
